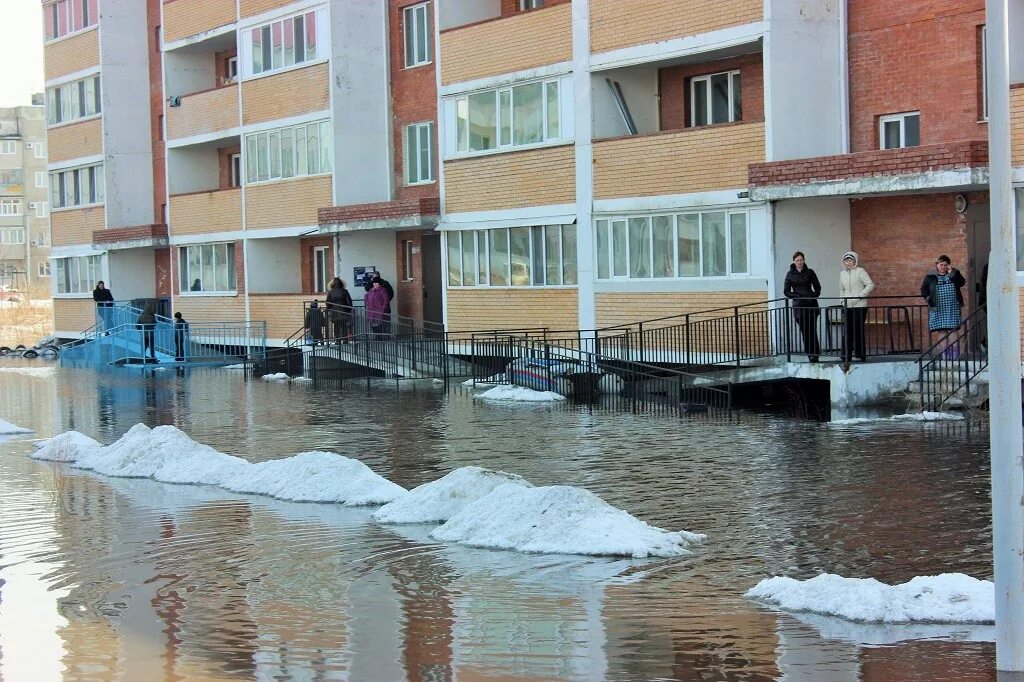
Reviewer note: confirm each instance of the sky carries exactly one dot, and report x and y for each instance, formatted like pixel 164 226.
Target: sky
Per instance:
pixel 21 51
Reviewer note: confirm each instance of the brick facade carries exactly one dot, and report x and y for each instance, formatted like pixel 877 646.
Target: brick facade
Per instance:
pixel 184 18
pixel 286 203
pixel 74 227
pixel 75 140
pixel 293 93
pixel 71 55
pixel 206 212
pixel 616 24
pixel 224 163
pixel 73 315
pixel 409 284
pixel 124 234
pixel 428 207
pixel 203 112
pixel 307 246
pixel 535 177
pixel 471 309
pixel 674 89
pixel 1017 124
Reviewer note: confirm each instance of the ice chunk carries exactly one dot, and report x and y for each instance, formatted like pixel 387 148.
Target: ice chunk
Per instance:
pixel 945 598
pixel 559 520
pixel 280 376
pixel 909 417
pixel 316 477
pixel 67 447
pixel 9 429
pixel 519 394
pixel 441 499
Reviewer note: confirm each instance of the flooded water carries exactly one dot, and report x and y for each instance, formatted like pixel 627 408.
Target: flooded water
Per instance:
pixel 104 578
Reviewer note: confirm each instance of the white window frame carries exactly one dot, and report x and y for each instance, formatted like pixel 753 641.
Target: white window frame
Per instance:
pixel 419 130
pixel 11 207
pixel 706 79
pixel 321 268
pixel 8 147
pixel 99 182
pixel 41 180
pixel 41 208
pixel 12 236
pixel 235 170
pixel 78 275
pixel 900 118
pixel 407 259
pixel 458 148
pixel 414 18
pixel 233 69
pixel 62 99
pixel 248 66
pixel 185 287
pixel 40 148
pixel 530 4
pixel 482 240
pixel 984 72
pixel 256 139
pixel 43 269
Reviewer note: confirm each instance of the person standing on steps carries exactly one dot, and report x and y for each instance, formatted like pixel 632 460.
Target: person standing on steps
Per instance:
pixel 104 299
pixel 315 323
pixel 147 323
pixel 803 287
pixel 391 295
pixel 180 335
pixel 855 286
pixel 339 309
pixel 377 303
pixel 941 288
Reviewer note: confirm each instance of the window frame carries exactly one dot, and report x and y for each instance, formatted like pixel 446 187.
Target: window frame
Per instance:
pixel 733 76
pixel 8 147
pixel 86 270
pixel 900 118
pixel 407 260
pixel 11 207
pixel 281 31
pixel 45 180
pixel 186 277
pixel 483 264
pixel 527 5
pixel 260 141
pixel 13 235
pixel 461 102
pixel 59 187
pixel 421 128
pixel 422 8
pixel 43 269
pixel 321 267
pixel 89 17
pixel 235 170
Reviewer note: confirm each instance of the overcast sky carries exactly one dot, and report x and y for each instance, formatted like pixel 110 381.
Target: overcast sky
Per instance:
pixel 21 51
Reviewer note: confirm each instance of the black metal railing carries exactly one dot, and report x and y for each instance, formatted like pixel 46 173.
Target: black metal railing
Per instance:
pixel 950 365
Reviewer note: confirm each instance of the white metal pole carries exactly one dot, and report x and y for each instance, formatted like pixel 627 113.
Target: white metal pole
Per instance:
pixel 1004 358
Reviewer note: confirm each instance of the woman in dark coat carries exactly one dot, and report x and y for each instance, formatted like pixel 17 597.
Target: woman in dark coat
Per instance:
pixel 104 299
pixel 147 323
pixel 941 289
pixel 339 308
pixel 803 287
pixel 180 337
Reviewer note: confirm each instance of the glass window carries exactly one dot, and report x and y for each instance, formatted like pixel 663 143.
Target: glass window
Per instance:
pixel 326 147
pixel 257 50
pixel 419 146
pixel 569 254
pixel 1020 229
pixel 639 248
pixel 899 130
pixel 251 173
pixel 311 36
pixel 262 157
pixel 301 166
pixel 553 130
pixel 521 115
pixel 552 255
pixel 663 251
pixel 519 250
pixel 689 245
pixel 505 117
pixel 287 152
pixel 481 254
pixel 604 253
pixel 468 258
pixel 499 258
pixel 537 249
pixel 715 98
pixel 738 243
pixel 619 252
pixel 274 143
pixel 527 114
pixel 206 267
pixel 482 123
pixel 416 26
pixel 276 49
pixel 911 131
pixel 284 43
pixel 313 148
pixel 454 259
pixel 713 243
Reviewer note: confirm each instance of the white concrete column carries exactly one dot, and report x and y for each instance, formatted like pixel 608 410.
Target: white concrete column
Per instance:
pixel 584 124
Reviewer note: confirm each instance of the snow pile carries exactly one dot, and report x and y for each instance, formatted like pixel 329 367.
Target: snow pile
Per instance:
pixel 302 380
pixel 316 477
pixel 519 394
pixel 559 520
pixel 234 367
pixel 441 499
pixel 946 598
pixel 67 447
pixel 280 376
pixel 492 380
pixel 910 417
pixel 9 429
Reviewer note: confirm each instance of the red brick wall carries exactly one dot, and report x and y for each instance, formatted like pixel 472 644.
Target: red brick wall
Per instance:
pixel 224 162
pixel 915 56
pixel 413 100
pixel 156 111
pixel 221 60
pixel 410 291
pixel 674 86
pixel 162 260
pixel 307 246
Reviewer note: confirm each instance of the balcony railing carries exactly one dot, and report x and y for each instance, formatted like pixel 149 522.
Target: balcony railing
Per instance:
pixel 186 18
pixel 1017 123
pixel 202 113
pixel 615 24
pixel 206 212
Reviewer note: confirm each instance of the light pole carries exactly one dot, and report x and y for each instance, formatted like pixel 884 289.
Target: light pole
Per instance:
pixel 1004 357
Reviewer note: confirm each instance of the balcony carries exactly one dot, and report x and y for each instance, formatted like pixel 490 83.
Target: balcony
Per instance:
pixel 615 24
pixel 75 140
pixel 1017 123
pixel 74 54
pixel 73 315
pixel 287 203
pixel 188 18
pixel 292 93
pixel 206 212
pixel 677 161
pixel 534 177
pixel 507 44
pixel 74 227
pixel 204 113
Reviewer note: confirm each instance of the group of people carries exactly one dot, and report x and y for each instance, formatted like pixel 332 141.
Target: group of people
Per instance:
pixel 146 323
pixel 338 318
pixel 941 289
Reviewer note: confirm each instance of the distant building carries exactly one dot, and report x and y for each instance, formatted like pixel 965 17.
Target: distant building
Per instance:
pixel 24 214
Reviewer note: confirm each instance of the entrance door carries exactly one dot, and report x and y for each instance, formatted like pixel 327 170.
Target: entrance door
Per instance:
pixel 979 242
pixel 430 252
pixel 321 265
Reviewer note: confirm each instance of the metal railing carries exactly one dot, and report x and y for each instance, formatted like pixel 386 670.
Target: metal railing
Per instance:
pixel 335 323
pixel 948 368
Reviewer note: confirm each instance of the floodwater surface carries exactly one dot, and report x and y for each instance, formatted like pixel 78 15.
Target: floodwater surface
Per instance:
pixel 104 578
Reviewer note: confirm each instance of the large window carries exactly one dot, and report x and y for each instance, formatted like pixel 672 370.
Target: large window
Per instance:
pixel 207 268
pixel 542 255
pixel 12 235
pixel 715 98
pixel 509 117
pixel 12 181
pixel 78 275
pixel 8 147
pixel 419 153
pixel 708 244
pixel 9 207
pixel 77 186
pixel 899 130
pixel 72 101
pixel 306 149
pixel 284 43
pixel 417 34
pixel 67 16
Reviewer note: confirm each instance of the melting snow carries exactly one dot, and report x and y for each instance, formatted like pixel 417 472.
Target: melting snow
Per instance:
pixel 910 417
pixel 441 499
pixel 9 429
pixel 519 394
pixel 280 376
pixel 67 447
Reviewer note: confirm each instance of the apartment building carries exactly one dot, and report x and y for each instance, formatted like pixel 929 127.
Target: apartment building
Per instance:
pixel 24 216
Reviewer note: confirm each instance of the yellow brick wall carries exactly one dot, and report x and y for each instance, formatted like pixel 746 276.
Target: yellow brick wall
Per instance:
pixel 184 18
pixel 522 41
pixel 612 309
pixel 283 314
pixel 73 54
pixel 537 177
pixel 205 112
pixel 693 160
pixel 73 314
pixel 615 24
pixel 1017 124
pixel 199 309
pixel 75 140
pixel 473 309
pixel 291 202
pixel 251 7
pixel 206 212
pixel 75 227
pixel 288 94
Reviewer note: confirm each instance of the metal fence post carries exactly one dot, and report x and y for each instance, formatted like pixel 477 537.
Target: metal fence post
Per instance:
pixel 640 341
pixel 788 332
pixel 689 356
pixel 736 333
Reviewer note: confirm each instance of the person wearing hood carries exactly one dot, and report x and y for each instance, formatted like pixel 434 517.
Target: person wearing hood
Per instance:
pixel 315 323
pixel 803 287
pixel 377 304
pixel 104 299
pixel 180 337
pixel 855 286
pixel 339 307
pixel 147 323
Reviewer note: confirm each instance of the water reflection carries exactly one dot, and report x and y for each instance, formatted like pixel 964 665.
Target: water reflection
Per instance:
pixel 141 580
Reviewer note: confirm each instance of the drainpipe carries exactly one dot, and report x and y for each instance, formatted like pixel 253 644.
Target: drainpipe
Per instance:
pixel 1007 444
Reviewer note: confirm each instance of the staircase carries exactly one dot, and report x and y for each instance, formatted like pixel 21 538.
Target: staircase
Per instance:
pixel 952 373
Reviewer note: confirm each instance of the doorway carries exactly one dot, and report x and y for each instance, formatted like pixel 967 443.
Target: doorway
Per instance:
pixel 979 243
pixel 321 265
pixel 430 252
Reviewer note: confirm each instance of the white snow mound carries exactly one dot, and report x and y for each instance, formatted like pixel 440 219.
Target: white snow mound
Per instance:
pixel 559 520
pixel 910 417
pixel 441 499
pixel 518 394
pixel 67 447
pixel 316 477
pixel 945 598
pixel 9 429
pixel 280 376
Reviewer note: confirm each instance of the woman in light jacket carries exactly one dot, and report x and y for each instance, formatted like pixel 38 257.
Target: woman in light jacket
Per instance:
pixel 855 286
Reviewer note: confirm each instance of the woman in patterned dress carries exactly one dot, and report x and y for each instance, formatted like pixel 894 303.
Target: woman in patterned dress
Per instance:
pixel 941 289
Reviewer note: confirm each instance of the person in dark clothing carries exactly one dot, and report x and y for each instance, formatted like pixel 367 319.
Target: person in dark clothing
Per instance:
pixel 104 299
pixel 941 288
pixel 386 285
pixel 983 291
pixel 803 287
pixel 339 309
pixel 180 336
pixel 315 323
pixel 147 323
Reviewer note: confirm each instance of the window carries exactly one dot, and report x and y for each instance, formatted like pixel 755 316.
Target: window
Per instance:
pixel 12 235
pixel 407 270
pixel 78 275
pixel 984 73
pixel 40 150
pixel 235 164
pixel 40 178
pixel 419 153
pixel 715 98
pixel 282 43
pixel 74 100
pixel 8 147
pixel 706 244
pixel 206 268
pixel 10 207
pixel 12 181
pixel 509 117
pixel 900 130
pixel 306 149
pixel 417 34
pixel 66 16
pixel 232 69
pixel 77 186
pixel 530 4
pixel 44 268
pixel 542 255
pixel 41 209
